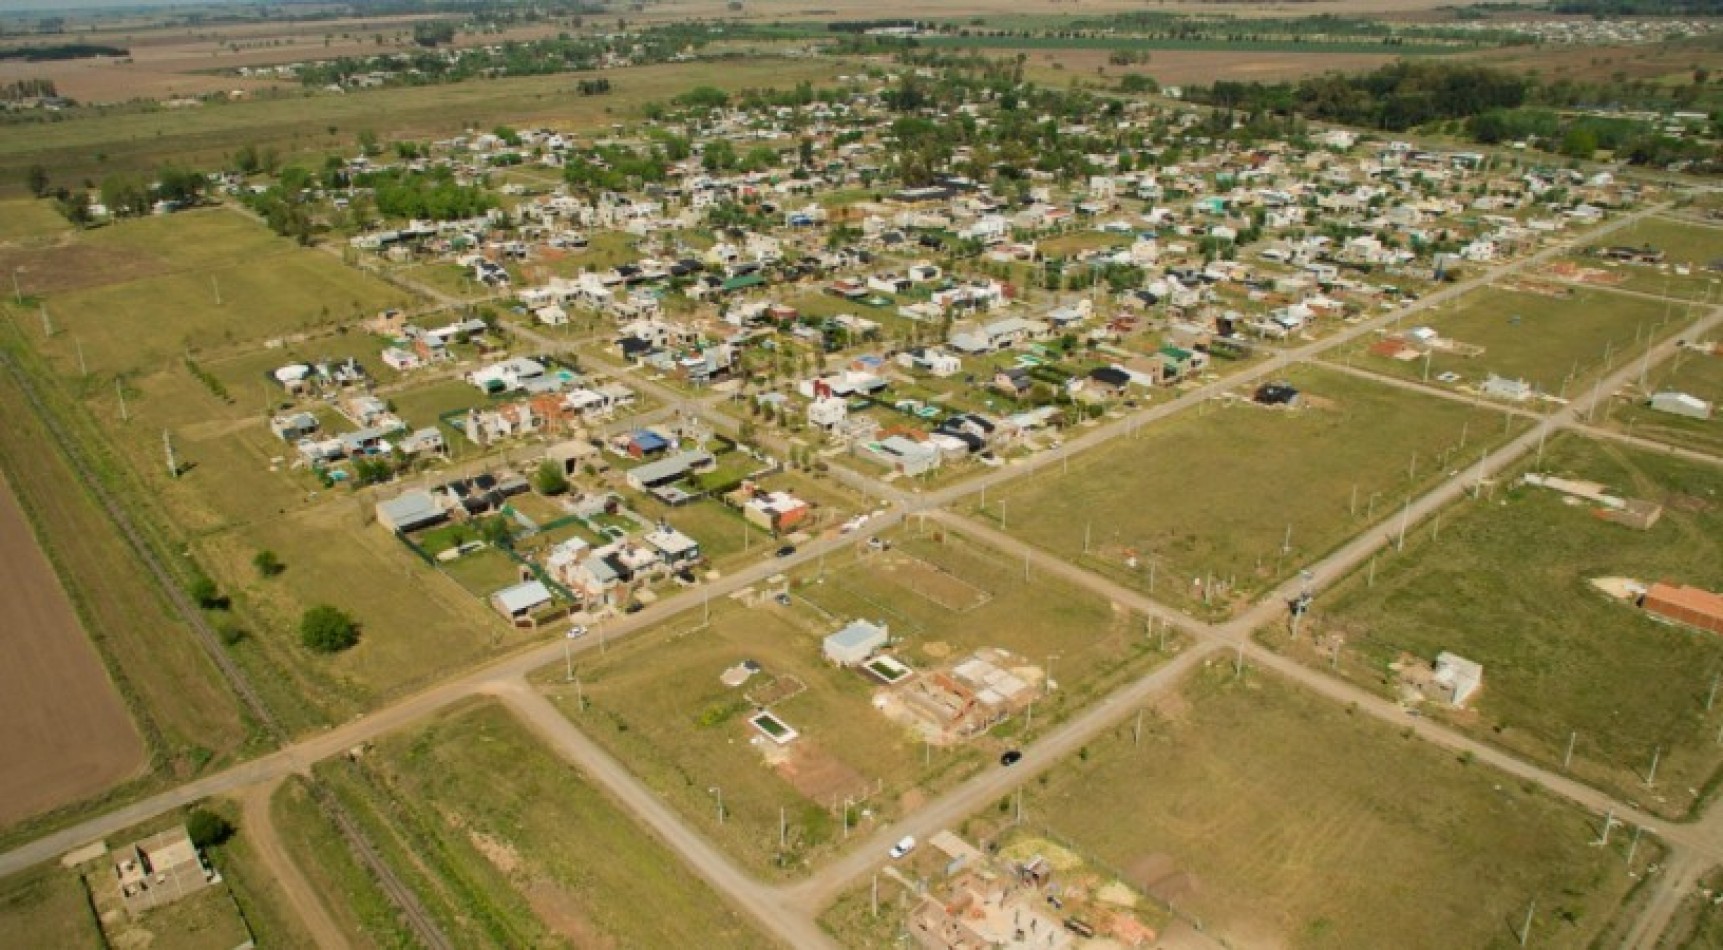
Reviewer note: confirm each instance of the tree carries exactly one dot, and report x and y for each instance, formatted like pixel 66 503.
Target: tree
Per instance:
pixel 206 828
pixel 207 595
pixel 327 629
pixel 37 180
pixel 550 479
pixel 267 564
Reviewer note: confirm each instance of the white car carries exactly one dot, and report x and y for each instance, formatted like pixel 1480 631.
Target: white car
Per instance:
pixel 903 847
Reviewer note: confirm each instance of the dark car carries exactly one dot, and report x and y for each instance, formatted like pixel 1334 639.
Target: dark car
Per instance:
pixel 1011 757
pixel 786 550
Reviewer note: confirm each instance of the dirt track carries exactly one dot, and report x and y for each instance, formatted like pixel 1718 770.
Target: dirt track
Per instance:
pixel 66 735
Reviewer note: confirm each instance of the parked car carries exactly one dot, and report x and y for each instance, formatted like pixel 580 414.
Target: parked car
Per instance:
pixel 1011 757
pixel 903 847
pixel 786 550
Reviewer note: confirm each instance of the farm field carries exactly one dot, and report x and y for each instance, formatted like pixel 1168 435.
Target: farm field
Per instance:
pixel 1556 343
pixel 1694 374
pixel 1174 67
pixel 67 735
pixel 1211 492
pixel 1270 815
pixel 177 699
pixel 298 126
pixel 508 846
pixel 47 907
pixel 1507 585
pixel 657 703
pixel 1685 244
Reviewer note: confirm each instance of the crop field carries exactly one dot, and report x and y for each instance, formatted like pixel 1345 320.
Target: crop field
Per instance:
pixel 1556 343
pixel 657 703
pixel 67 733
pixel 46 907
pixel 1208 496
pixel 1507 585
pixel 94 145
pixel 508 846
pixel 1691 373
pixel 1277 818
pixel 1175 67
pixel 1689 245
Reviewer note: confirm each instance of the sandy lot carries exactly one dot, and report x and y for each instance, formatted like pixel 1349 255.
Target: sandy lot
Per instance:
pixel 66 733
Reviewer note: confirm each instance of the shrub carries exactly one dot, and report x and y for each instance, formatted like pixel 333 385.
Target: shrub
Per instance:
pixel 207 828
pixel 327 629
pixel 267 564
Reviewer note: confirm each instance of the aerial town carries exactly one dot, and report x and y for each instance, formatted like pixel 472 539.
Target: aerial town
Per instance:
pixel 571 474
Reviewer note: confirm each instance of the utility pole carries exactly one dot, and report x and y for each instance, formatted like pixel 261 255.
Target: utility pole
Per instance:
pixel 1137 730
pixel 1526 930
pixel 1405 516
pixel 47 321
pixel 1572 737
pixel 1651 777
pixel 173 463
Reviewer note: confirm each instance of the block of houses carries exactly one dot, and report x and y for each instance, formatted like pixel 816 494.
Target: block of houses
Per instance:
pixel 1681 404
pixel 855 643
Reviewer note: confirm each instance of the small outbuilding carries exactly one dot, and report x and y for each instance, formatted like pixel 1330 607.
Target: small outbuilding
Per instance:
pixel 521 599
pixel 855 643
pixel 1457 677
pixel 1681 404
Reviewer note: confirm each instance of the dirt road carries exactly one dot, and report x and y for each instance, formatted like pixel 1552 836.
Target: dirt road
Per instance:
pixel 67 735
pixel 259 829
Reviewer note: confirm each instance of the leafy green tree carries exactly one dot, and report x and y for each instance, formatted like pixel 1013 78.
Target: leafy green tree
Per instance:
pixel 267 564
pixel 327 629
pixel 549 479
pixel 206 828
pixel 36 179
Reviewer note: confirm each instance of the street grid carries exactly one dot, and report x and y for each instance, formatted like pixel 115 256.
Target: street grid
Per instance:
pixel 788 911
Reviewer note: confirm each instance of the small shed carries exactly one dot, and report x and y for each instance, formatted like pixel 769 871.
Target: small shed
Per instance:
pixel 411 510
pixel 855 643
pixel 1458 677
pixel 1681 404
pixel 521 599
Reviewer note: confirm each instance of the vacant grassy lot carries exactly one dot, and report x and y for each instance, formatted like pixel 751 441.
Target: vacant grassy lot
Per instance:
pixel 1212 492
pixel 364 914
pixel 508 846
pixel 25 218
pixel 1278 819
pixel 1699 922
pixel 1690 245
pixel 1507 585
pixel 1690 373
pixel 1557 343
pixel 46 907
pixel 657 703
pixel 266 286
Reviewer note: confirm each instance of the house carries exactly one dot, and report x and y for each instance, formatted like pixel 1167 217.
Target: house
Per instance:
pixel 508 376
pixel 670 469
pixel 778 512
pixel 1681 404
pixel 855 643
pixel 674 548
pixel 521 599
pixel 644 443
pixel 930 360
pixel 160 869
pixel 573 455
pixel 410 511
pixel 902 454
pixel 1110 379
pixel 1013 381
pixel 1691 606
pixel 1512 390
pixel 827 412
pixel 294 426
pixel 1457 677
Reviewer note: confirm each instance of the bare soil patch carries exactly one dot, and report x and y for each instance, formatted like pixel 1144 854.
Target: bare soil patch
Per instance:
pixel 67 735
pixel 75 266
pixel 821 777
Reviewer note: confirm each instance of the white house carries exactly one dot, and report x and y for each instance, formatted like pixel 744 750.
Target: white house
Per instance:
pixel 855 643
pixel 509 376
pixel 1458 677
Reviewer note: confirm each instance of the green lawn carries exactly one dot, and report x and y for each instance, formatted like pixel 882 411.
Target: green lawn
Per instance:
pixel 1507 585
pixel 1213 491
pixel 1558 344
pixel 1278 818
pixel 508 846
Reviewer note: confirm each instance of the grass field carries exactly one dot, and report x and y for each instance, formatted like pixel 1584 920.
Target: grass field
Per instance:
pixel 359 907
pixel 511 847
pixel 1692 373
pixel 1212 492
pixel 47 907
pixel 94 144
pixel 657 703
pixel 1698 923
pixel 267 286
pixel 22 219
pixel 1277 818
pixel 1506 585
pixel 1695 246
pixel 1558 344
